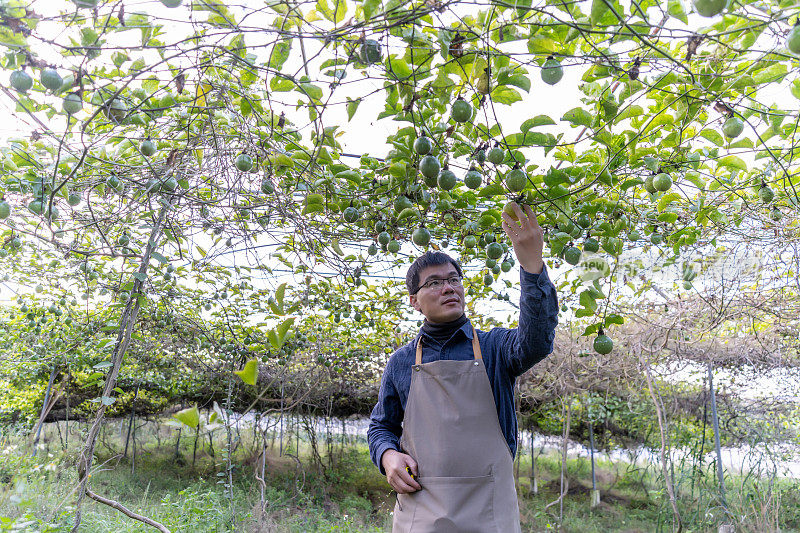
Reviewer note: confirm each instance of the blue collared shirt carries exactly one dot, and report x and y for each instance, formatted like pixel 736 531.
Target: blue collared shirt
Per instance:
pixel 507 354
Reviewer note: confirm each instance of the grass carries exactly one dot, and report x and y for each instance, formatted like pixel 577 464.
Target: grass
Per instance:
pixel 343 492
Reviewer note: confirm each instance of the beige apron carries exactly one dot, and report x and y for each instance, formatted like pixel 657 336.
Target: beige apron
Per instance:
pixel 450 428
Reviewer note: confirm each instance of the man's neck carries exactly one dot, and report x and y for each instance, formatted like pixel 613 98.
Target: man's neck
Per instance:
pixel 443 330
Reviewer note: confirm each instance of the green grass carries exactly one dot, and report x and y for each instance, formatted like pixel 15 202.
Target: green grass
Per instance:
pixel 344 493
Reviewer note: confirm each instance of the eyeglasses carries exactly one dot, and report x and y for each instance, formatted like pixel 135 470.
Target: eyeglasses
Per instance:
pixel 436 284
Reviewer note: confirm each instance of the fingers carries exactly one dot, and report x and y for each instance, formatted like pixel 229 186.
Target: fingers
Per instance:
pixel 399 478
pixel 508 227
pixel 402 482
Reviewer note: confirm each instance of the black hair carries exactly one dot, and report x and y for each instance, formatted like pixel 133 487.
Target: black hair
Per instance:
pixel 425 260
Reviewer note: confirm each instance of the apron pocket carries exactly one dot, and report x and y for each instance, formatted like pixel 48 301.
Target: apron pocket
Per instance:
pixel 403 520
pixel 454 505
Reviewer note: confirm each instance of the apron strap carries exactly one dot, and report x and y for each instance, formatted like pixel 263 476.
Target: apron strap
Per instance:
pixel 476 347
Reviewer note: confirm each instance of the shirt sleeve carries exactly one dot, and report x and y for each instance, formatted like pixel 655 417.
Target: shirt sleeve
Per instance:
pixel 538 318
pixel 385 426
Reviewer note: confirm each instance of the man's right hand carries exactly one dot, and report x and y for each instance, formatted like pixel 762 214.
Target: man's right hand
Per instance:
pixel 394 464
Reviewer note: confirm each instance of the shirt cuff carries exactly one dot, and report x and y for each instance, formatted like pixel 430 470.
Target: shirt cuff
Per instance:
pixel 541 280
pixel 379 455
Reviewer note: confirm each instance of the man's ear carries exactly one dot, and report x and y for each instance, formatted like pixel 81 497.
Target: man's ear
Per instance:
pixel 412 299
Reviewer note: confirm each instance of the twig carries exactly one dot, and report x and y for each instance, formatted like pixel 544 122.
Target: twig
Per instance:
pixel 124 510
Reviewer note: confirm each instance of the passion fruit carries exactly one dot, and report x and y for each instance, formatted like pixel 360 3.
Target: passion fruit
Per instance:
pixel 423 145
pixel 429 166
pixel 51 79
pixel 461 110
pixel 732 127
pixel 496 155
pixel 793 40
pixel 709 8
pixel 494 250
pixel 516 180
pixel 662 182
pixel 552 72
pixel 21 81
pixel 421 237
pixel 766 194
pixel 447 180
pixel 244 162
pixel 473 178
pixel 603 344
pixel 148 148
pixel 572 255
pixel 72 104
pixel 370 52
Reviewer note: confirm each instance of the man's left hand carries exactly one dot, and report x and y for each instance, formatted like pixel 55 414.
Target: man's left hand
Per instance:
pixel 526 237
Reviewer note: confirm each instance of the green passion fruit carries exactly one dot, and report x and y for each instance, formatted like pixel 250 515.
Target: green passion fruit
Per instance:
pixel 662 182
pixel 461 110
pixel 421 237
pixel 244 162
pixel 793 39
pixel 21 81
pixel 429 166
pixel 709 8
pixel 51 79
pixel 473 178
pixel 370 52
pixel 148 148
pixel 447 180
pixel 733 127
pixel 423 145
pixel 552 72
pixel 72 104
pixel 496 156
pixel 516 180
pixel 603 344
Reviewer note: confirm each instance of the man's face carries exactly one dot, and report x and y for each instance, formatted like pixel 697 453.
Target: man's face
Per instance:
pixel 444 304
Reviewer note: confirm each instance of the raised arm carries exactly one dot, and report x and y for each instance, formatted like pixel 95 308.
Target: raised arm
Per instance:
pixel 538 305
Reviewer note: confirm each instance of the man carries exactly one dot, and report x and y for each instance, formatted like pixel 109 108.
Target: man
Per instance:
pixel 444 429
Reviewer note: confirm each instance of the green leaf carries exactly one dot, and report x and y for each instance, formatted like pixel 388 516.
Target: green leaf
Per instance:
pixel 795 88
pixel 398 68
pixel 189 417
pixel 668 216
pixel 272 336
pixel 676 10
pixel 280 53
pixel 370 8
pixel 773 73
pixel 667 199
pixel 279 292
pixel 731 161
pixel 627 184
pixel 587 300
pixel 141 276
pixel 493 189
pixel 505 95
pixel 713 135
pixel 651 163
pixel 160 258
pixel 352 105
pixel 517 80
pixel 282 331
pixel 539 44
pixel 538 120
pixel 249 373
pixel 578 116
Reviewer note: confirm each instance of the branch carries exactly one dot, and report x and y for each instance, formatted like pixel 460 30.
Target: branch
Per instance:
pixel 124 510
